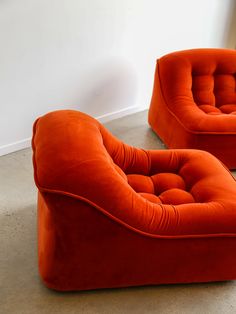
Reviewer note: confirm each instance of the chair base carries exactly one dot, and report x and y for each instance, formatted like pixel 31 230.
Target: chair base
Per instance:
pixel 80 248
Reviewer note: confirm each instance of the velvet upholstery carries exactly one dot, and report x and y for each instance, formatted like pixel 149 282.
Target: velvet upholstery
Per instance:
pixel 194 101
pixel 112 215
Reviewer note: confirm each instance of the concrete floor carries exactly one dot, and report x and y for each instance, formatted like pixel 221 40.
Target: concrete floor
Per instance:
pixel 21 290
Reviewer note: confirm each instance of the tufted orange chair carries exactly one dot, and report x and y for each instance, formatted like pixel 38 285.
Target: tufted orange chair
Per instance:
pixel 194 101
pixel 111 215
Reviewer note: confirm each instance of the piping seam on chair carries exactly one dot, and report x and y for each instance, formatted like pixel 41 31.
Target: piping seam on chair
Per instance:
pixel 152 235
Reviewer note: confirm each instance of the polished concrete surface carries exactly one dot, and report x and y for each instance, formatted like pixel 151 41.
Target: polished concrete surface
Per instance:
pixel 21 290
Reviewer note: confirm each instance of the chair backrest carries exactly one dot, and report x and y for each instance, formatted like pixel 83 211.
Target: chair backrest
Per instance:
pixel 208 76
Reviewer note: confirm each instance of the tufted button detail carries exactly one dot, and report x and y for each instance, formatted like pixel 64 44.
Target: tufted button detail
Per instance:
pixel 224 109
pixel 176 197
pixel 210 109
pixel 166 188
pixel 212 89
pixel 166 181
pixel 141 183
pixel 230 108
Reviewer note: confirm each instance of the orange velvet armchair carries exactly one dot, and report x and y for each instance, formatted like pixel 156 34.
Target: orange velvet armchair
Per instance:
pixel 194 101
pixel 112 215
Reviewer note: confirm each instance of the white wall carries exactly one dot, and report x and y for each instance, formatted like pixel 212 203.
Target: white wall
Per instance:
pixel 96 56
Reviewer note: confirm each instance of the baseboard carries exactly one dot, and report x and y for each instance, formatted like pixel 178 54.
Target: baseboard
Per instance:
pixel 13 147
pixel 118 114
